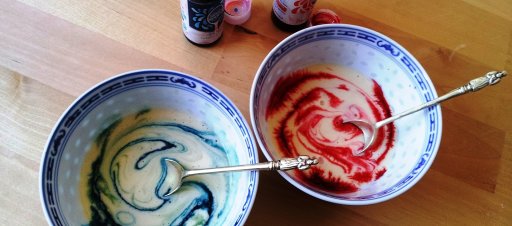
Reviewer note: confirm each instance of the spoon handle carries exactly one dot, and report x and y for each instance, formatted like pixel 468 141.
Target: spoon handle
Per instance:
pixel 302 162
pixel 474 85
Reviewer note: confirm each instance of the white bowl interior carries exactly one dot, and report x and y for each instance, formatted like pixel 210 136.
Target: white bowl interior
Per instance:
pixel 404 82
pixel 136 92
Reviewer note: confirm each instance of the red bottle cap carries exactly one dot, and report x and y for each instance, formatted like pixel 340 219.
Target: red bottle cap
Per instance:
pixel 324 16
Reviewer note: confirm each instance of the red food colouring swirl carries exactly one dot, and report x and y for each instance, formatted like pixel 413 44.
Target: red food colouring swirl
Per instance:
pixel 308 110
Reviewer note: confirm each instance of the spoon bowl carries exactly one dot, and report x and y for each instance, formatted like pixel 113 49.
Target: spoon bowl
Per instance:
pixel 369 133
pixel 174 176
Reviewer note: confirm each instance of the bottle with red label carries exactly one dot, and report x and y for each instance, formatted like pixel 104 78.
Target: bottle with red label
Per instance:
pixel 292 15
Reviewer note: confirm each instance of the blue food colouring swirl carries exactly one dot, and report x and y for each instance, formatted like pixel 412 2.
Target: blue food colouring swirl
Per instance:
pixel 128 176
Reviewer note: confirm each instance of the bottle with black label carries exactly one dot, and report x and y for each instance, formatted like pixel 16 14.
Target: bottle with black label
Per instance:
pixel 292 15
pixel 202 21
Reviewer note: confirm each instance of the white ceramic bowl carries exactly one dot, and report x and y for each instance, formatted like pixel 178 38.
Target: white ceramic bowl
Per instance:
pixel 104 158
pixel 280 116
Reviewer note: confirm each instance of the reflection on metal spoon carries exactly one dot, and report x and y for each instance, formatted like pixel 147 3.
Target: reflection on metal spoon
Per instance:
pixel 176 172
pixel 370 130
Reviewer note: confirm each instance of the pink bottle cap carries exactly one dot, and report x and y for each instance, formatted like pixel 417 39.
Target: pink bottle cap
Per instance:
pixel 237 11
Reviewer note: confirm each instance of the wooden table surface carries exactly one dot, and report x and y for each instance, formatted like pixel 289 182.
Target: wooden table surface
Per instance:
pixel 51 51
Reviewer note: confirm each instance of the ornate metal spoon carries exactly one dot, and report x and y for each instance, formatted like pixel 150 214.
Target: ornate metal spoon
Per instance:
pixel 176 172
pixel 370 129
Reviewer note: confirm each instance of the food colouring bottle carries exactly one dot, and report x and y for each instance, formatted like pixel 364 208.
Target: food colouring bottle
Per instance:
pixel 292 15
pixel 202 21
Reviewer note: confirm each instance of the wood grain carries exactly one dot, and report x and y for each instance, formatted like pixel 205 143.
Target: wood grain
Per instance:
pixel 26 119
pixel 52 51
